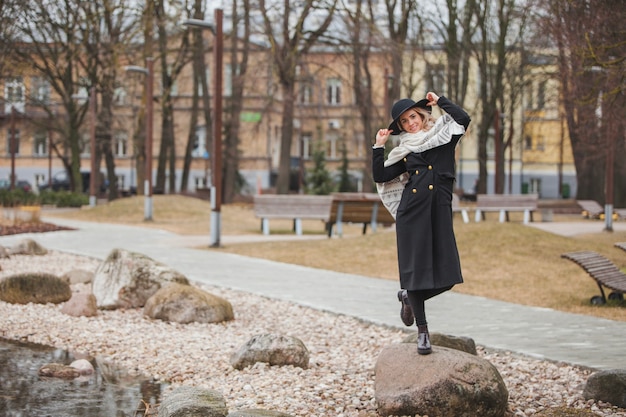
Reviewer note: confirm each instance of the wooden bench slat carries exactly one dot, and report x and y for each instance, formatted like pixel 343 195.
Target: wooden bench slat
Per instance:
pixel 601 269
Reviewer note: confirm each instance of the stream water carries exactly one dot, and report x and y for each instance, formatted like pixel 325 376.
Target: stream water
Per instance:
pixel 106 393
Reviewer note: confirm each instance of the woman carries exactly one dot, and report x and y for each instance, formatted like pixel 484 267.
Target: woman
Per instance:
pixel 416 184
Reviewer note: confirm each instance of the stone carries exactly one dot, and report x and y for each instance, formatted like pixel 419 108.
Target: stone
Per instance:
pixel 187 304
pixel 83 366
pixel 81 305
pixel 271 349
pixel 28 247
pixel 608 386
pixel 447 382
pixel 78 276
pixel 127 279
pixel 36 288
pixel 255 412
pixel 193 402
pixel 4 253
pixel 464 344
pixel 58 370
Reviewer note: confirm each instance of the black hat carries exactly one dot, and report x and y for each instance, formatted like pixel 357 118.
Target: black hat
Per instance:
pixel 403 105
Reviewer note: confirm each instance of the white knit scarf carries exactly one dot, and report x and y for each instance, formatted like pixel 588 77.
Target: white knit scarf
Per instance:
pixel 440 134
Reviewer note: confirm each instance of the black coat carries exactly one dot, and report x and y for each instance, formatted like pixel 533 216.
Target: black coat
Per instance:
pixel 427 253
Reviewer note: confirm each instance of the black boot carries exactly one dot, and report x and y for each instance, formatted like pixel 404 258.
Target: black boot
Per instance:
pixel 406 314
pixel 423 340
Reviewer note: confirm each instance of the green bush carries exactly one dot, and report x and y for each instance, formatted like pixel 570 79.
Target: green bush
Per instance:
pixel 63 198
pixel 19 197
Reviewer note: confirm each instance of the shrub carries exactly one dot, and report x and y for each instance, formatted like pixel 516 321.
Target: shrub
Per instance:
pixel 63 198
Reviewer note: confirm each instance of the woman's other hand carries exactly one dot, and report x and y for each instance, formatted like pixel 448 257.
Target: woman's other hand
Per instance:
pixel 432 98
pixel 381 137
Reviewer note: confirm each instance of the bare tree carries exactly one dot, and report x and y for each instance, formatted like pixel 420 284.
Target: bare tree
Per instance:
pixel 52 47
pixel 495 25
pixel 591 55
pixel 292 30
pixel 172 60
pixel 239 53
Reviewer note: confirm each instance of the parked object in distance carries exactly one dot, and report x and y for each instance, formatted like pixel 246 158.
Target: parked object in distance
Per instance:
pixel 19 184
pixel 61 182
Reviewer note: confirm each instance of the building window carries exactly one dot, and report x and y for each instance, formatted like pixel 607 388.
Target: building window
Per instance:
pixel 305 93
pixel 541 95
pixel 15 143
pixel 199 143
pixel 40 144
pixel 40 91
pixel 331 146
pixel 120 96
pixel 437 75
pixel 333 91
pixel 528 142
pixel 306 140
pixel 85 142
pixel 541 143
pixel 120 144
pixel 14 94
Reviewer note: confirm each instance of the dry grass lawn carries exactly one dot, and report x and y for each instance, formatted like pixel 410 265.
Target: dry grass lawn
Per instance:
pixel 509 262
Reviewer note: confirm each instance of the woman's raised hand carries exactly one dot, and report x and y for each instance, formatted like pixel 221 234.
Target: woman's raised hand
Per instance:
pixel 382 136
pixel 432 98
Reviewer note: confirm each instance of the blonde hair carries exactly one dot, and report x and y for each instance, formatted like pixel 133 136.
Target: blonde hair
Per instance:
pixel 428 121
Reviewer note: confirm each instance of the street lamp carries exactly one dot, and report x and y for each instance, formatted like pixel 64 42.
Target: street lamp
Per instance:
pixel 92 142
pixel 216 159
pixel 147 188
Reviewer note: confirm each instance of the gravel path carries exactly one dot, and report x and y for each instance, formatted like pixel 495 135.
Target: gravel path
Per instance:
pixel 343 352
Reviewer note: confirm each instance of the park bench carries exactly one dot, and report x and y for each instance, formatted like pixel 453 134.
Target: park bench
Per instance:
pixel 365 208
pixel 603 271
pixel 457 208
pixel 291 206
pixel 506 203
pixel 590 209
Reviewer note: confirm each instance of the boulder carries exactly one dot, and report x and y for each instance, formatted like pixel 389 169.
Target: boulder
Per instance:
pixel 28 247
pixel 81 305
pixel 193 402
pixel 78 276
pixel 83 366
pixel 127 279
pixel 464 344
pixel 4 253
pixel 58 370
pixel 255 412
pixel 36 288
pixel 447 382
pixel 271 349
pixel 608 386
pixel 187 304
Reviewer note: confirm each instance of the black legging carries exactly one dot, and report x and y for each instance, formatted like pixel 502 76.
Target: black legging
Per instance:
pixel 416 300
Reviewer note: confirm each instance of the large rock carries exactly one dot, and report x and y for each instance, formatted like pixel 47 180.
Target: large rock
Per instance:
pixel 271 349
pixel 608 386
pixel 187 304
pixel 446 383
pixel 28 247
pixel 39 288
pixel 127 279
pixel 193 402
pixel 81 305
pixel 256 412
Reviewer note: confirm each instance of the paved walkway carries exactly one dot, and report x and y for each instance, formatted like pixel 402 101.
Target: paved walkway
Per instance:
pixel 538 332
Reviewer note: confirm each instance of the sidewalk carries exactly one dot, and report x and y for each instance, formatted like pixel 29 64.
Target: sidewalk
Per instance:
pixel 537 332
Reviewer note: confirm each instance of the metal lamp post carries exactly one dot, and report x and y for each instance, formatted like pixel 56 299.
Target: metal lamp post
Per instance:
pixel 92 144
pixel 147 188
pixel 216 154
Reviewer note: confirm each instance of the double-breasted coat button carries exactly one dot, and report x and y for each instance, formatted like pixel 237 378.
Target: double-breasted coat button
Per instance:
pixel 430 187
pixel 430 167
pixel 416 172
pixel 404 159
pixel 414 190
